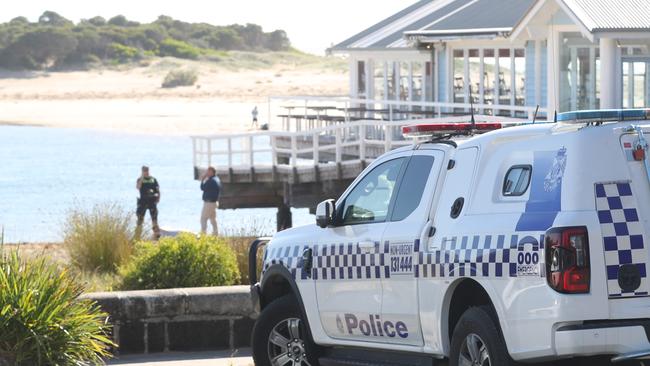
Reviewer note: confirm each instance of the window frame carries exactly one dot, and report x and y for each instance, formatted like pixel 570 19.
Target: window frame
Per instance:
pixel 338 221
pixel 505 180
pixel 399 187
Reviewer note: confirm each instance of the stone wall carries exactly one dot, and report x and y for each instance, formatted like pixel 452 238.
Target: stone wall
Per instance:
pixel 191 319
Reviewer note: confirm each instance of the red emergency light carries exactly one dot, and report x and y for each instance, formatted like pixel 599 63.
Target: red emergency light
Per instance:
pixel 432 129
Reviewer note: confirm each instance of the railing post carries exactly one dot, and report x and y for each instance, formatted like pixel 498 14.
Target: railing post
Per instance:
pixel 315 143
pixel 294 151
pixel 274 153
pixel 229 152
pixel 347 111
pixel 388 136
pixel 390 112
pixel 362 142
pixel 339 148
pixel 251 157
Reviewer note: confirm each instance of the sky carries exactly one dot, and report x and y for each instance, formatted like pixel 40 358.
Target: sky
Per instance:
pixel 312 25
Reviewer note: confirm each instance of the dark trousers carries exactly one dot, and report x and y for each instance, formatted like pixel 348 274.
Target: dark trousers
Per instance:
pixel 141 210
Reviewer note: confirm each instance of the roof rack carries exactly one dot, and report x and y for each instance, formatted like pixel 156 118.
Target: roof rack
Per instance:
pixel 604 115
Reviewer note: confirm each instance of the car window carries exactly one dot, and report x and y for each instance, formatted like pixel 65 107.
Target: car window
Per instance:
pixel 412 186
pixel 517 180
pixel 369 200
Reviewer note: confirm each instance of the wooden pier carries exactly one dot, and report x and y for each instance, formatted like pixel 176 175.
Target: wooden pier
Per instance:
pixel 308 160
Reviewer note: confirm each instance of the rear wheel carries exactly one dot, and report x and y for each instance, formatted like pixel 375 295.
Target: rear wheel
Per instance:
pixel 476 341
pixel 280 336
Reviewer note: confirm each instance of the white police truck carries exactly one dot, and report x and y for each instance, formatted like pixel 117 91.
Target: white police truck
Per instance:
pixel 526 243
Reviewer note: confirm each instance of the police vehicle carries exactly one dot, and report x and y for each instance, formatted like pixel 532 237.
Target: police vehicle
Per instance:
pixel 525 243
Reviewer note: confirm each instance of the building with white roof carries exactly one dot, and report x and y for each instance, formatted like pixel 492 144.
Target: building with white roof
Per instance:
pixel 506 56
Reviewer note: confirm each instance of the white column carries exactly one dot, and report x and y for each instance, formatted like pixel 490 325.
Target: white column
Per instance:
pixel 370 79
pixel 538 72
pixel 574 78
pixel 354 78
pixel 481 77
pixel 552 72
pixel 608 72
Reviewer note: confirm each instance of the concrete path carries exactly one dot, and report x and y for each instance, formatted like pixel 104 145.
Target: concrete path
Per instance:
pixel 215 358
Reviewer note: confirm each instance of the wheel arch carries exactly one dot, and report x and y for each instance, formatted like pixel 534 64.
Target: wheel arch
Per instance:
pixel 277 281
pixel 460 296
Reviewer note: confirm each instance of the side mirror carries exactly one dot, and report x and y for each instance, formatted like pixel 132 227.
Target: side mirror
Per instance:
pixel 325 213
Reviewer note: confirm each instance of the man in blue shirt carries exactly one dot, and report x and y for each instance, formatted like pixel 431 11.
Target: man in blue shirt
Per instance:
pixel 211 187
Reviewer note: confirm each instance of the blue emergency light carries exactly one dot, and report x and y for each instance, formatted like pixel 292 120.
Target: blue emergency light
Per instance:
pixel 604 115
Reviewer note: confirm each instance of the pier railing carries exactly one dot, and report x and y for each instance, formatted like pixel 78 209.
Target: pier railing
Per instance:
pixel 331 144
pixel 301 113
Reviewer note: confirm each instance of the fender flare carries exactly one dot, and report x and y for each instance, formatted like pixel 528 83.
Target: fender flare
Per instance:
pixel 279 270
pixel 493 297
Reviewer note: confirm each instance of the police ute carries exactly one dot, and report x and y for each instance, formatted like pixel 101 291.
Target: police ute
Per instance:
pixel 479 243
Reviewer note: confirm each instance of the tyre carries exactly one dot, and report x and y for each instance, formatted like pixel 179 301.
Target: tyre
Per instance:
pixel 280 336
pixel 477 341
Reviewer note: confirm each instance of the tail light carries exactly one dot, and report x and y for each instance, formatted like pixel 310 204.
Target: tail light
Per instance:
pixel 567 260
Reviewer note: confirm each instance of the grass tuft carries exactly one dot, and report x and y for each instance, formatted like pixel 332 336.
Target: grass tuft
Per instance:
pixel 99 239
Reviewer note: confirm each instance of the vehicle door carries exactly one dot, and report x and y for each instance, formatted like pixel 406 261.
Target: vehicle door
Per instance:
pixel 349 262
pixel 409 225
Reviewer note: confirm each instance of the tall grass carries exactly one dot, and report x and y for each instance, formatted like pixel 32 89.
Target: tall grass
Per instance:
pixel 101 238
pixel 239 240
pixel 42 321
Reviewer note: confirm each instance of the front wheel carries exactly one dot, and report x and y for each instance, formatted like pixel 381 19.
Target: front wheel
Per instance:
pixel 476 341
pixel 280 336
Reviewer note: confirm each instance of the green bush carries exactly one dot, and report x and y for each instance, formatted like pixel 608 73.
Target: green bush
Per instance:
pixel 100 238
pixel 180 78
pixel 182 261
pixel 123 53
pixel 42 320
pixel 180 49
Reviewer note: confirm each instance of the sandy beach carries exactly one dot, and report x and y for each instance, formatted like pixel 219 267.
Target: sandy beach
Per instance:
pixel 131 99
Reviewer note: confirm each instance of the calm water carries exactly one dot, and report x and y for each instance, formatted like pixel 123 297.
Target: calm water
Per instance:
pixel 46 171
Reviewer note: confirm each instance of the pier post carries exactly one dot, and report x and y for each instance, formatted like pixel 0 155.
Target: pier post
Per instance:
pixel 283 217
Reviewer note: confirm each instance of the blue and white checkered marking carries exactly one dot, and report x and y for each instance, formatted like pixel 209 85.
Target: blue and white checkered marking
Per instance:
pixel 460 256
pixel 623 235
pixel 289 256
pixel 349 262
pixel 474 256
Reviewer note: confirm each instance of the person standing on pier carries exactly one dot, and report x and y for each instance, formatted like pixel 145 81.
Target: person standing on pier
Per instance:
pixel 149 198
pixel 211 187
pixel 254 113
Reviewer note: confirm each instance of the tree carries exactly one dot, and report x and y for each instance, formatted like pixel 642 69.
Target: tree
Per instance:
pixel 54 19
pixel 38 49
pixel 97 21
pixel 118 20
pixel 19 20
pixel 277 41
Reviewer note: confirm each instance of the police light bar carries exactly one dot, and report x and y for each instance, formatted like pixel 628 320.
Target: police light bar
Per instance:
pixel 604 115
pixel 432 129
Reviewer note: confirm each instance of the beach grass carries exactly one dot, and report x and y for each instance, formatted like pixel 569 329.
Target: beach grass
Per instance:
pixel 99 239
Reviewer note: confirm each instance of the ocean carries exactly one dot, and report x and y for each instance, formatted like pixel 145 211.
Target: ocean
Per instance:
pixel 45 172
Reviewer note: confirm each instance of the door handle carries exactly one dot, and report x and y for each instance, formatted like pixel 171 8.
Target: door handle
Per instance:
pixel 367 245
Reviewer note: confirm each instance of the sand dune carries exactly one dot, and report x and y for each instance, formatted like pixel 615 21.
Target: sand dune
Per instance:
pixel 132 99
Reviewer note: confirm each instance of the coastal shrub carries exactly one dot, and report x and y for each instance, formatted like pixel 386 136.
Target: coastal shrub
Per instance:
pixel 100 238
pixel 182 261
pixel 180 78
pixel 123 53
pixel 42 321
pixel 180 49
